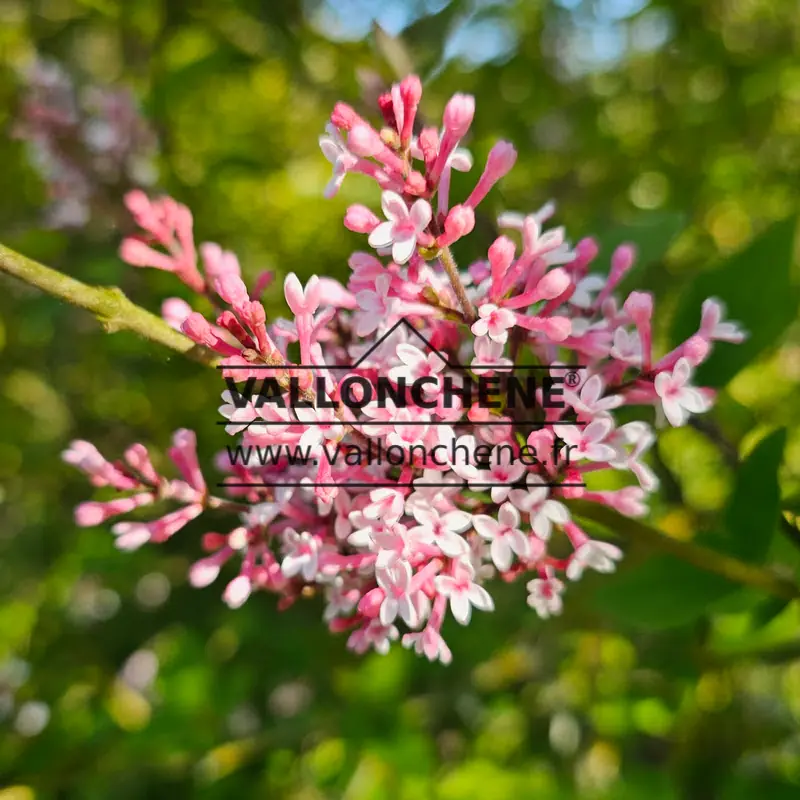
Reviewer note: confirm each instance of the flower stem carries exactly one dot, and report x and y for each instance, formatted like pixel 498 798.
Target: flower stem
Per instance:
pixel 451 268
pixel 108 303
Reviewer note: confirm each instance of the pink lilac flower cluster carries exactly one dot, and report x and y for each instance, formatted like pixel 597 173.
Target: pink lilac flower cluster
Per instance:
pixel 86 143
pixel 401 545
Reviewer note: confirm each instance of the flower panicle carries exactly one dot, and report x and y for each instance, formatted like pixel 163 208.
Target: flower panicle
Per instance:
pixel 470 488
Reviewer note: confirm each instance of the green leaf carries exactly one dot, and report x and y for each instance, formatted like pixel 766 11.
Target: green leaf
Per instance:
pixel 651 233
pixel 792 503
pixel 663 593
pixel 752 514
pixel 768 610
pixel 756 287
pixel 667 592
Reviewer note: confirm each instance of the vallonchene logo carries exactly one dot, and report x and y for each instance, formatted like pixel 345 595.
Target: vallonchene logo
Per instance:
pixel 518 389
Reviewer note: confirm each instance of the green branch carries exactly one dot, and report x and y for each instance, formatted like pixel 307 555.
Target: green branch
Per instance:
pixel 109 305
pixel 699 556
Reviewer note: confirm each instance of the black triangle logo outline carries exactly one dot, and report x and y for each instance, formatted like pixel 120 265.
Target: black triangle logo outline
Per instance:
pixel 404 321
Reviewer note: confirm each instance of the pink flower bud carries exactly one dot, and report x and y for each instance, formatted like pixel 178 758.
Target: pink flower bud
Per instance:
pixel 96 513
pixel 501 254
pixel 238 538
pixel 364 141
pixel 554 328
pixel 138 254
pixel 415 184
pixel 639 307
pixel 622 260
pixel 696 350
pixel 131 535
pixel 255 313
pixel 502 158
pixel 174 311
pixel 360 219
pixel 230 322
pixel 343 116
pixel 138 459
pixel 184 455
pixel 386 105
pixel 302 301
pixel 217 261
pixel 237 592
pixel 458 114
pixel 573 475
pixel 460 221
pixel 230 287
pixel 182 220
pixel 370 604
pixel 411 90
pixel 587 250
pixel 411 94
pixel 198 329
pixel 137 202
pixel 213 541
pixel 554 283
pixel 204 572
pixel 557 328
pixel 429 145
pixel 478 414
pixel 342 624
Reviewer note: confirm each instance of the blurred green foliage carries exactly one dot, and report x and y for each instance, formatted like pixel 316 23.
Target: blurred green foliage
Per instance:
pixel 674 124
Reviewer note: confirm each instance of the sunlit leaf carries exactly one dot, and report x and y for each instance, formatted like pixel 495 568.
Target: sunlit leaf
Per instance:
pixel 757 289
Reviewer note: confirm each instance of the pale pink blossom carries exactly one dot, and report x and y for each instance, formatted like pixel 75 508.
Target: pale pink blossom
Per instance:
pixel 395 580
pixel 376 305
pixel 429 642
pixel 627 346
pixel 591 401
pixel 301 555
pixel 504 534
pixel 712 327
pixel 341 600
pixel 544 596
pixel 494 322
pixel 443 529
pixel 679 398
pixel 385 504
pixel 463 593
pixel 503 472
pixel 544 511
pixel 336 152
pixel 489 356
pixel 402 228
pixel 587 442
pixel 592 554
pixel 415 364
pixel 375 635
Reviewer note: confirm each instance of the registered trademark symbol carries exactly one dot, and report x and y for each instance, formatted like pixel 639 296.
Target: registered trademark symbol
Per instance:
pixel 572 379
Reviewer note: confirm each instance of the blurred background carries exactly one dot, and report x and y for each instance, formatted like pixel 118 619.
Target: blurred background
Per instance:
pixel 675 125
